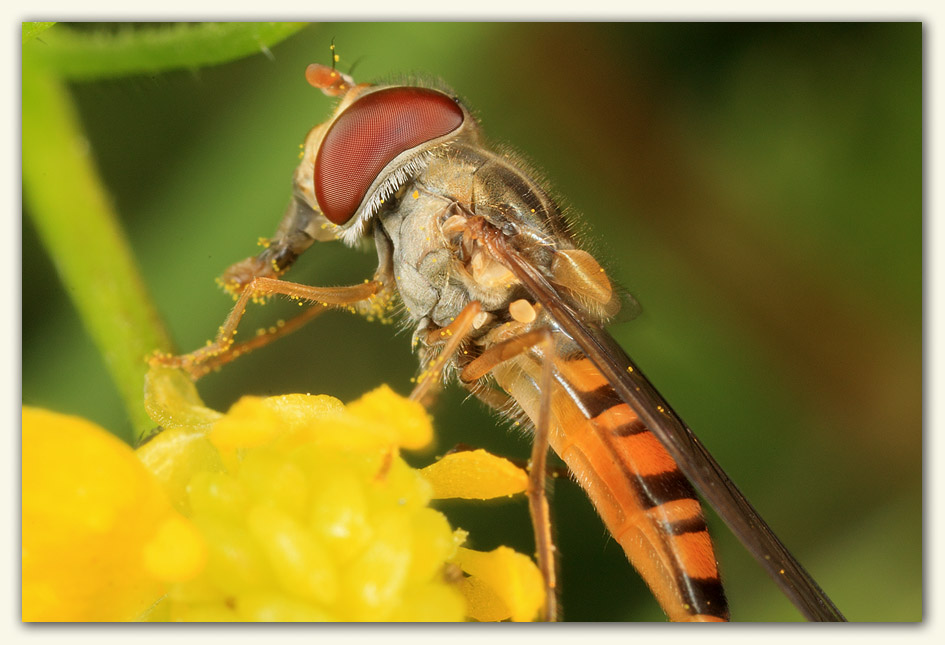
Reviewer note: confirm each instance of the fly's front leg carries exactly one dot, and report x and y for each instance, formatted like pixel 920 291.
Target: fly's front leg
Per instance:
pixel 537 472
pixel 256 278
pixel 223 349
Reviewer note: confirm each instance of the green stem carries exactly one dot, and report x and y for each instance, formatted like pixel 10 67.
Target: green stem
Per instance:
pixel 80 231
pixel 65 196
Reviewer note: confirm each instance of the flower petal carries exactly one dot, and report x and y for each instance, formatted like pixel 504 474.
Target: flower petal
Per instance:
pixel 408 421
pixel 474 474
pixel 88 507
pixel 512 577
pixel 171 399
pixel 177 551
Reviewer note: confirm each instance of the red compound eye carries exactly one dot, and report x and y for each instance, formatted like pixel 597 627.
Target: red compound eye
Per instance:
pixel 368 135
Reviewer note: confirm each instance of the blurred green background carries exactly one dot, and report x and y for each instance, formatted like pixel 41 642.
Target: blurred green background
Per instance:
pixel 758 187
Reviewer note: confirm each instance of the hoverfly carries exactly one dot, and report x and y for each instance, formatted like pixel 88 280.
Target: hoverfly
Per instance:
pixel 504 301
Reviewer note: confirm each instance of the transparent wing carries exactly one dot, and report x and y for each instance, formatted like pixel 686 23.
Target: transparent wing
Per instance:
pixel 685 448
pixel 630 307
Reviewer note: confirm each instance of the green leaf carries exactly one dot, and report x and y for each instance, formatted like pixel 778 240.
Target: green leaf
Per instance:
pixel 85 54
pixel 32 29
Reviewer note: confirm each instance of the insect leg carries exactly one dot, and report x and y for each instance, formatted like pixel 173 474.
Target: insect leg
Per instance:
pixel 500 402
pixel 455 333
pixel 537 472
pixel 493 398
pixel 222 350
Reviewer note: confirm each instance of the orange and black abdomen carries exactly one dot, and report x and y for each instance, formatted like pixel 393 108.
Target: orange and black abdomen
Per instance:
pixel 644 499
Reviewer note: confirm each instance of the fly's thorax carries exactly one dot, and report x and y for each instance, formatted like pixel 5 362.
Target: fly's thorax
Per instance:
pixel 438 265
pixel 421 259
pixel 425 254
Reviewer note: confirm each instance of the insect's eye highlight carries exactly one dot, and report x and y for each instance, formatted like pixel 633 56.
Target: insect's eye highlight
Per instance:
pixel 369 135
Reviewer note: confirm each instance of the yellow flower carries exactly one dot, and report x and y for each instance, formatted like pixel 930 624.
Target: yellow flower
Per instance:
pixel 90 514
pixel 284 509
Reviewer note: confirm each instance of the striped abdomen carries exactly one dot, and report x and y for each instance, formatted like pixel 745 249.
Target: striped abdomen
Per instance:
pixel 647 504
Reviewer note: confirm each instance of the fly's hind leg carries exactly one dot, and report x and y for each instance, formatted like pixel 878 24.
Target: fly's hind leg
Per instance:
pixel 537 472
pixel 452 338
pixel 223 349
